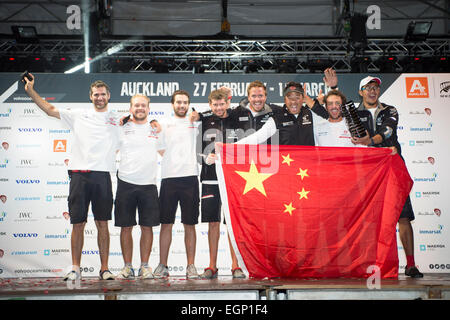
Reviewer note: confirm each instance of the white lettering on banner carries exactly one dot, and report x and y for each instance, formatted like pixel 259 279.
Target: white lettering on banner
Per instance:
pixel 312 89
pixel 417 86
pixel 149 89
pixel 197 86
pixel 238 89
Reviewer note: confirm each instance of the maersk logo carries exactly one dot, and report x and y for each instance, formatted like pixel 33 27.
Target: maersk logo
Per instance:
pixel 57 197
pixel 48 252
pixel 427 194
pixel 431 247
pixel 28 181
pixel 413 143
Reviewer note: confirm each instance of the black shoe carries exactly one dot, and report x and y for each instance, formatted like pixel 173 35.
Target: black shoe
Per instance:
pixel 413 272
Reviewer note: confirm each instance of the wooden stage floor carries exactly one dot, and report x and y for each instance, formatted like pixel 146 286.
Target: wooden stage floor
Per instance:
pixel 431 286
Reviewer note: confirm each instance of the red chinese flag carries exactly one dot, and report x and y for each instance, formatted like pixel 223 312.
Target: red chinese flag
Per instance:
pixel 301 211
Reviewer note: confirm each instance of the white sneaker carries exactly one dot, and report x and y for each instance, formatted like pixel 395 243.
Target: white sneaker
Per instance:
pixel 72 276
pixel 191 272
pixel 161 271
pixel 106 275
pixel 127 272
pixel 145 273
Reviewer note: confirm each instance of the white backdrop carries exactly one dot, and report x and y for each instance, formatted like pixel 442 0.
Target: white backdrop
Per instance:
pixel 35 236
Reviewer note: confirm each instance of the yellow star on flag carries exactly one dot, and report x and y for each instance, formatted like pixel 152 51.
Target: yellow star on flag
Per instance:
pixel 303 194
pixel 287 159
pixel 289 208
pixel 254 179
pixel 302 173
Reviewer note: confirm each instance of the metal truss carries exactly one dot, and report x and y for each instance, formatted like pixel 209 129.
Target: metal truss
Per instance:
pixel 233 55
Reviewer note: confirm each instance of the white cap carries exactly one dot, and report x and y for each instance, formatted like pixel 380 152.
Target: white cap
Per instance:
pixel 368 79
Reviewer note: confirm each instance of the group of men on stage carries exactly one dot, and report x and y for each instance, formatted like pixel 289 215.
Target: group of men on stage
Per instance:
pixel 98 134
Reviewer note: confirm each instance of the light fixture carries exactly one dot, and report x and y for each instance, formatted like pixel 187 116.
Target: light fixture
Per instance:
pixel 387 64
pixel 286 65
pixel 251 65
pixel 360 64
pixel 418 31
pixel 318 64
pixel 25 34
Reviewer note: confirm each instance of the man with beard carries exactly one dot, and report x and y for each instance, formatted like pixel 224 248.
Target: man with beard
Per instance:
pixel 136 186
pixel 334 131
pixel 179 184
pixel 294 123
pixel 95 136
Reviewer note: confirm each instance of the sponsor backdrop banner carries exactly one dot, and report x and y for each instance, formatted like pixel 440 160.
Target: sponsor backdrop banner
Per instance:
pixel 34 153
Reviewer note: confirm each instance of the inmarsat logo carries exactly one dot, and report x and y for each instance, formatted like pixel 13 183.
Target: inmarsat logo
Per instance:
pixel 417 87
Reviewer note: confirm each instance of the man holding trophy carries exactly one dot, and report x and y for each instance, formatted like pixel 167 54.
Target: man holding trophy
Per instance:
pixel 381 125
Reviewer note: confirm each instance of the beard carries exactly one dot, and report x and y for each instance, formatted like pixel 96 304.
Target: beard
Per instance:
pixel 180 112
pixel 335 116
pixel 139 115
pixel 101 106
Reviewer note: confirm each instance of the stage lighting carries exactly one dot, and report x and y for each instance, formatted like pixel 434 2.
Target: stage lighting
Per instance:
pixel 286 65
pixel 436 64
pixel 387 64
pixel 318 64
pixel 444 64
pixel 25 34
pixel 198 65
pixel 360 64
pixel 60 63
pixel 251 65
pixel 13 64
pixel 121 65
pixel 37 64
pixel 418 31
pixel 412 64
pixel 161 65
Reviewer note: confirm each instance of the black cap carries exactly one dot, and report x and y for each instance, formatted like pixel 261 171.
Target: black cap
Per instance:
pixel 293 87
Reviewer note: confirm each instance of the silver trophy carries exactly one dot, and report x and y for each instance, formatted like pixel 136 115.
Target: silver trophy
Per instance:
pixel 354 123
